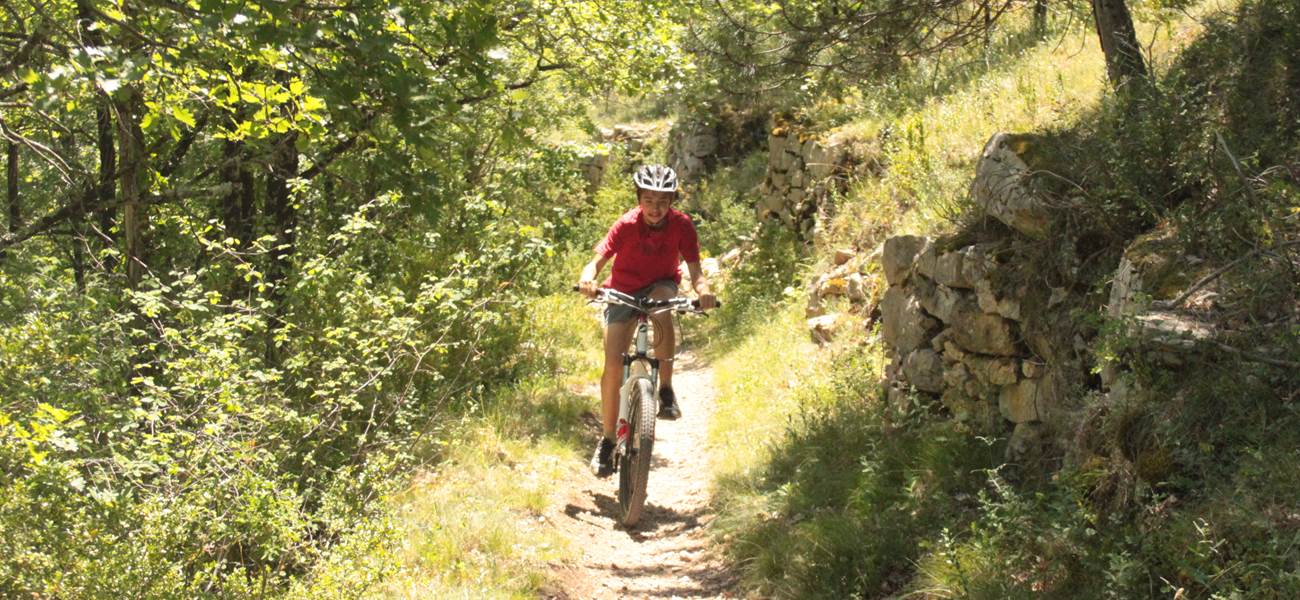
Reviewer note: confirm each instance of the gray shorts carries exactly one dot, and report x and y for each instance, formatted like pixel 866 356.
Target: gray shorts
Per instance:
pixel 617 313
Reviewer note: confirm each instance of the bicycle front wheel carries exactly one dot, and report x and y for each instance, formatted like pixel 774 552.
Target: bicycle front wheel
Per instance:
pixel 634 470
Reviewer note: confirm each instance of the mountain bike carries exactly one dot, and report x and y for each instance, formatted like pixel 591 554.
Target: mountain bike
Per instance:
pixel 637 400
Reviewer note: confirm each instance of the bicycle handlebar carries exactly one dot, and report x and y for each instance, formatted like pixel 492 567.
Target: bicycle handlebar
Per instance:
pixel 608 295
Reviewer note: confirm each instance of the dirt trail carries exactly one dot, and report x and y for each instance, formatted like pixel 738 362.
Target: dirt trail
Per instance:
pixel 668 554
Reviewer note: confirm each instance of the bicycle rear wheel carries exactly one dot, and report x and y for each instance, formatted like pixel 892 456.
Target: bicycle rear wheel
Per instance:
pixel 634 467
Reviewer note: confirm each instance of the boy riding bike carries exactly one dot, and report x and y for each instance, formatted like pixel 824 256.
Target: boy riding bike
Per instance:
pixel 647 243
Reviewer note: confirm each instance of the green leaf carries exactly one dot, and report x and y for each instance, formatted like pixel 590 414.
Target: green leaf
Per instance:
pixel 56 414
pixel 182 114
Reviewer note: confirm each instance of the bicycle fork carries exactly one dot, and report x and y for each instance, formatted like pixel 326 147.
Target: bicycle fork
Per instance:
pixel 634 369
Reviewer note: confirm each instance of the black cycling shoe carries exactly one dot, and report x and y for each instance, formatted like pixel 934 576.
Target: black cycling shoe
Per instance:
pixel 668 405
pixel 602 461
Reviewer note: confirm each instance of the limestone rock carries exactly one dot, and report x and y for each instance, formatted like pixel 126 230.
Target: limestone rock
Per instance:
pixel 1123 288
pixel 1038 336
pixel 1019 403
pixel 1171 331
pixel 897 255
pixel 937 342
pixel 1153 266
pixel 903 324
pixel 821 159
pixel 895 368
pixel 857 287
pixel 731 257
pixel 779 180
pixel 1000 187
pixel 844 255
pixel 956 376
pixel 923 369
pixel 927 260
pixel 982 333
pixel 1006 307
pixel 992 371
pixel 1029 442
pixel 593 169
pixel 830 285
pixel 952 352
pixel 711 266
pixel 824 328
pixel 978 262
pixel 943 302
pixel 774 202
pixel 814 307
pixel 948 271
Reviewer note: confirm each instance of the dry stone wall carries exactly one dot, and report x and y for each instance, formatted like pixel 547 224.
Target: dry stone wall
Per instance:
pixel 692 150
pixel 799 178
pixel 986 322
pixel 960 325
pixel 951 334
pixel 633 138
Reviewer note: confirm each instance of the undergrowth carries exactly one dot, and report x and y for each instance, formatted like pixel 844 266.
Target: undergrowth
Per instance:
pixel 471 525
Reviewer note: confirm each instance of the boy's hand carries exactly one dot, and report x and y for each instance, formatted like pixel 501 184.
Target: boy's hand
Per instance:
pixel 588 288
pixel 707 301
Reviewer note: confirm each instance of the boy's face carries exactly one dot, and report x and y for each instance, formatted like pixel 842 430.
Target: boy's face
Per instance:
pixel 654 205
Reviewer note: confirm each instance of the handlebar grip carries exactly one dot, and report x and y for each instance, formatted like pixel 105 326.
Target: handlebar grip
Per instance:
pixel 573 289
pixel 696 304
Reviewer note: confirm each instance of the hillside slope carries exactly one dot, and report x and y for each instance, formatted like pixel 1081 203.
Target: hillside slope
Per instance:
pixel 1169 470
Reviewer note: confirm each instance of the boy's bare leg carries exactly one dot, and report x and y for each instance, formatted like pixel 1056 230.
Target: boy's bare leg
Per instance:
pixel 617 337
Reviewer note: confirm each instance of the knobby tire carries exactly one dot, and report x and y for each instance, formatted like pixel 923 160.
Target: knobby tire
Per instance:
pixel 634 467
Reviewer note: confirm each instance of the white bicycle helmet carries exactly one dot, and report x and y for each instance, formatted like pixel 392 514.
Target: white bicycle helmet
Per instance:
pixel 656 178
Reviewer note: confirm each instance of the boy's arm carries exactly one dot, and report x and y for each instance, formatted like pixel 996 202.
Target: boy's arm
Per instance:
pixel 587 280
pixel 701 286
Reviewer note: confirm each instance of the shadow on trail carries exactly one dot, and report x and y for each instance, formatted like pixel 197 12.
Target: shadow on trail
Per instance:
pixel 653 517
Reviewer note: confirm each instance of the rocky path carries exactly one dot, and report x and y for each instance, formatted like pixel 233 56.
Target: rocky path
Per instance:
pixel 667 555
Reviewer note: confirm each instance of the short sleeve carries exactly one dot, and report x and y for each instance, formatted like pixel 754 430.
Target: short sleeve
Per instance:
pixel 609 246
pixel 690 242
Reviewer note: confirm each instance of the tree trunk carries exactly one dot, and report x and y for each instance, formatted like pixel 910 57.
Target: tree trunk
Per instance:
pixel 78 222
pixel 988 27
pixel 131 150
pixel 104 125
pixel 1118 42
pixel 15 214
pixel 107 172
pixel 11 190
pixel 1040 17
pixel 284 217
pixel 237 207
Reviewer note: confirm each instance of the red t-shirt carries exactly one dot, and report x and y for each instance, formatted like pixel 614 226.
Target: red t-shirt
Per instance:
pixel 643 255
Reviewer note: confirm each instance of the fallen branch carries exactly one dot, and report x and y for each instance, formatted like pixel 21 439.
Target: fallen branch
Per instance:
pixel 1277 362
pixel 1236 165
